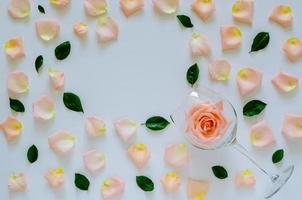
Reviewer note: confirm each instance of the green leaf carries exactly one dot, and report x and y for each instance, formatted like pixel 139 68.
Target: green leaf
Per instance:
pixel 156 123
pixel 260 41
pixel 39 62
pixel 145 183
pixel 72 102
pixel 41 9
pixel 185 21
pixel 32 154
pixel 220 172
pixel 278 156
pixel 63 50
pixel 193 74
pixel 16 105
pixel 81 181
pixel 253 107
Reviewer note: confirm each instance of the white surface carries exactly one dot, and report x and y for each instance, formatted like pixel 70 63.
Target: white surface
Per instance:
pixel 140 75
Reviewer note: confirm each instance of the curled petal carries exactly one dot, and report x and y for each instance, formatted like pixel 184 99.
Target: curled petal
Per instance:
pixel 170 182
pixel 107 29
pixel 248 80
pixel 61 142
pixel 130 7
pixel 176 155
pixel 139 154
pixel 204 8
pixel 47 29
pixel 95 7
pixel 282 15
pixel 219 70
pixel 293 48
pixel 292 126
pixel 95 126
pixel 57 78
pixel 112 187
pixel 231 37
pixel 94 161
pixel 166 6
pixel 200 45
pixel 245 179
pixel 243 10
pixel 125 128
pixel 11 127
pixel 80 28
pixel 17 182
pixel 285 82
pixel 60 3
pixel 55 177
pixel 19 8
pixel 197 189
pixel 261 134
pixel 17 82
pixel 14 48
pixel 44 108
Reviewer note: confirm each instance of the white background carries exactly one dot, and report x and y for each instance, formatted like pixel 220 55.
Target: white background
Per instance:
pixel 140 75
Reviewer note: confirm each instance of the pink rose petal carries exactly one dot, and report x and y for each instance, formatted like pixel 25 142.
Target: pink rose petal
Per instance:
pixel 95 7
pixel 176 155
pixel 139 154
pixel 60 3
pixel 293 48
pixel 44 108
pixel 231 37
pixel 285 82
pixel 112 187
pixel 11 127
pixel 166 6
pixel 95 126
pixel 243 10
pixel 170 182
pixel 261 134
pixel 14 48
pixel 248 80
pixel 47 29
pixel 197 189
pixel 55 177
pixel 282 15
pixel 219 70
pixel 107 29
pixel 125 128
pixel 292 126
pixel 57 78
pixel 129 7
pixel 94 161
pixel 17 82
pixel 17 182
pixel 245 179
pixel 19 8
pixel 80 28
pixel 204 8
pixel 61 142
pixel 199 45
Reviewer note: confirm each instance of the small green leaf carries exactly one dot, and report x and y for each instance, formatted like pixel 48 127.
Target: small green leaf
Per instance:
pixel 63 50
pixel 220 172
pixel 193 74
pixel 260 41
pixel 278 156
pixel 32 154
pixel 156 123
pixel 253 107
pixel 81 181
pixel 185 21
pixel 145 183
pixel 39 62
pixel 16 105
pixel 41 9
pixel 72 102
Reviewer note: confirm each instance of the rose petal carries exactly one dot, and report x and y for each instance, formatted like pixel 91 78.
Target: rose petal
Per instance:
pixel 139 154
pixel 94 161
pixel 112 187
pixel 285 82
pixel 125 128
pixel 47 29
pixel 19 8
pixel 170 182
pixel 95 126
pixel 61 142
pixel 60 3
pixel 197 189
pixel 282 15
pixel 176 155
pixel 204 8
pixel 292 126
pixel 55 177
pixel 17 82
pixel 219 70
pixel 166 6
pixel 130 7
pixel 245 178
pixel 261 134
pixel 44 108
pixel 80 28
pixel 95 7
pixel 231 37
pixel 243 10
pixel 248 80
pixel 293 48
pixel 107 29
pixel 11 127
pixel 14 48
pixel 199 45
pixel 57 78
pixel 17 182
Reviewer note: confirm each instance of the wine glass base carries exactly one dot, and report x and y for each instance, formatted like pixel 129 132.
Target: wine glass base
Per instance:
pixel 279 181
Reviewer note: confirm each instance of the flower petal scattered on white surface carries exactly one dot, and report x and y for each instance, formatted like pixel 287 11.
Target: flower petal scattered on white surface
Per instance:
pixel 11 127
pixel 231 37
pixel 80 28
pixel 177 156
pixel 261 134
pixel 55 177
pixel 95 7
pixel 197 189
pixel 248 80
pixel 95 126
pixel 293 48
pixel 199 45
pixel 47 29
pixel 243 10
pixel 170 182
pixel 139 154
pixel 61 142
pixel 125 128
pixel 285 82
pixel 44 108
pixel 17 82
pixel 112 187
pixel 166 6
pixel 17 182
pixel 107 29
pixel 19 8
pixel 282 15
pixel 57 78
pixel 60 3
pixel 292 126
pixel 245 178
pixel 219 69
pixel 204 8
pixel 14 48
pixel 129 7
pixel 94 161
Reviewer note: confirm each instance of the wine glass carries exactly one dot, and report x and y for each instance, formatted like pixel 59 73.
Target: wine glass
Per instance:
pixel 228 138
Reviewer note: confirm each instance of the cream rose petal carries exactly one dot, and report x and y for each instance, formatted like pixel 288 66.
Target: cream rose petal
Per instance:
pixel 94 161
pixel 44 108
pixel 139 154
pixel 80 28
pixel 107 29
pixel 14 48
pixel 243 10
pixel 60 3
pixel 292 126
pixel 19 8
pixel 245 178
pixel 95 126
pixel 204 8
pixel 112 187
pixel 166 6
pixel 95 7
pixel 293 48
pixel 57 78
pixel 199 45
pixel 219 70
pixel 285 82
pixel 177 156
pixel 61 142
pixel 125 128
pixel 248 80
pixel 11 127
pixel 130 7
pixel 170 182
pixel 197 189
pixel 231 37
pixel 282 15
pixel 17 182
pixel 55 177
pixel 261 134
pixel 17 82
pixel 47 29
